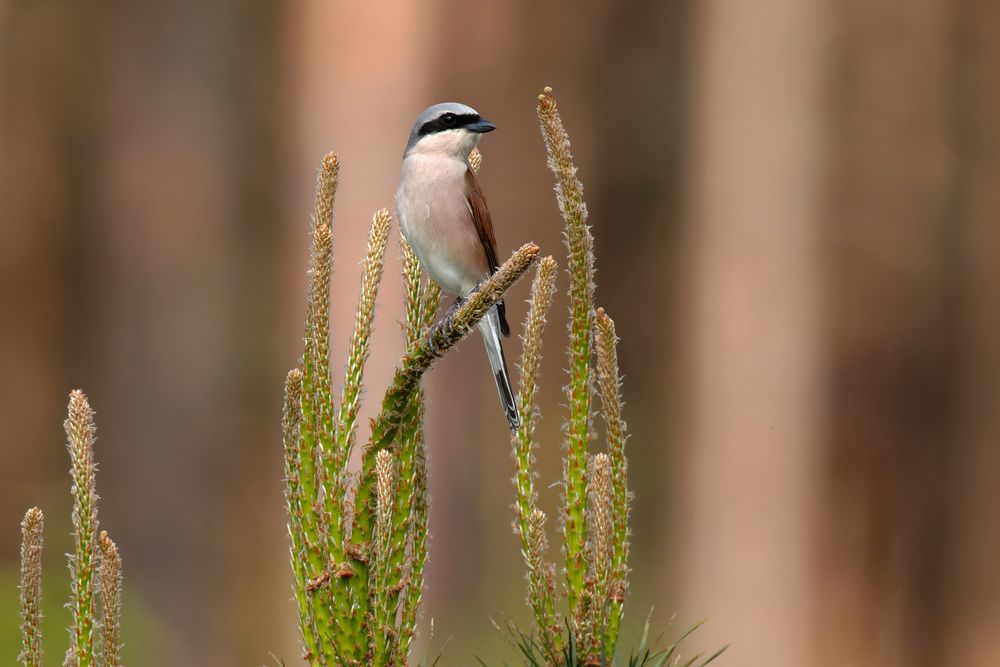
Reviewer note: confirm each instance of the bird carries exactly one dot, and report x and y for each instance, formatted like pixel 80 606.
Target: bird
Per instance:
pixel 444 218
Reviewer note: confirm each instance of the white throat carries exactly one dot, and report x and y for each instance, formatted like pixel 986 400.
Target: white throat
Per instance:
pixel 456 144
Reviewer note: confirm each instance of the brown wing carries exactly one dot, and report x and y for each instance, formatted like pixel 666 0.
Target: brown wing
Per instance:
pixel 484 227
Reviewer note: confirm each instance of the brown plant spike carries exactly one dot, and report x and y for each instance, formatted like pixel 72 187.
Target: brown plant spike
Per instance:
pixel 111 601
pixel 599 512
pixel 31 588
pixel 81 433
pixel 530 520
pixel 609 386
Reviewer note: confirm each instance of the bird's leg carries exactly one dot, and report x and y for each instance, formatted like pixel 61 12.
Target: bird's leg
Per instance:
pixel 437 327
pixel 454 307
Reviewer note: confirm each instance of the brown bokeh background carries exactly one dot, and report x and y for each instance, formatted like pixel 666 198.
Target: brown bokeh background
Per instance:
pixel 796 206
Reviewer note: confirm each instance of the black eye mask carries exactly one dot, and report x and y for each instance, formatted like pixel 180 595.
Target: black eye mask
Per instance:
pixel 448 121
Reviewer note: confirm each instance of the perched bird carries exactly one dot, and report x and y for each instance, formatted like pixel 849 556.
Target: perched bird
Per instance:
pixel 443 215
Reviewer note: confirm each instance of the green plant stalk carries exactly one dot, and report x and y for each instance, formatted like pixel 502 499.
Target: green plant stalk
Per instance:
pixel 329 476
pixel 569 194
pixel 291 432
pixel 609 386
pixel 422 300
pixel 80 434
pixel 411 422
pixel 416 321
pixel 405 382
pixel 382 596
pixel 600 510
pixel 350 405
pixel 539 595
pixel 417 539
pixel 316 429
pixel 111 601
pixel 31 588
pixel 371 277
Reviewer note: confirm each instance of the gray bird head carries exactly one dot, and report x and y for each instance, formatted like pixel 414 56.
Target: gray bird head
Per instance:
pixel 448 128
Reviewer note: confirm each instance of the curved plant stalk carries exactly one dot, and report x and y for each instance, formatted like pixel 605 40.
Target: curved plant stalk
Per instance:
pixel 396 403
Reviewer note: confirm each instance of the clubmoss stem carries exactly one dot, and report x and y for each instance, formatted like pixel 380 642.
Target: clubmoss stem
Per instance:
pixel 31 588
pixel 386 427
pixel 383 599
pixel 530 520
pixel 580 244
pixel 320 510
pixel 111 601
pixel 609 385
pixel 81 434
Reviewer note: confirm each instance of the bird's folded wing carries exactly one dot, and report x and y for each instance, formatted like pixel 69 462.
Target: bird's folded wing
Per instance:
pixel 484 227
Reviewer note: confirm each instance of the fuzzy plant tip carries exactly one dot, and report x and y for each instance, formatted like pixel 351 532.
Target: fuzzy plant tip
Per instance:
pixel 31 588
pixel 81 434
pixel 111 598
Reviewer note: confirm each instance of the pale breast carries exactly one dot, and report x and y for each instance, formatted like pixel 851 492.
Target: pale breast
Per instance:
pixel 435 219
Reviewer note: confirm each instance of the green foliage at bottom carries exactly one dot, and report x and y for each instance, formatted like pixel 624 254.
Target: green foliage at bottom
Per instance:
pixel 646 654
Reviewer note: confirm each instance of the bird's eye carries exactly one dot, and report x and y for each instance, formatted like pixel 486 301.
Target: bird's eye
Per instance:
pixel 448 120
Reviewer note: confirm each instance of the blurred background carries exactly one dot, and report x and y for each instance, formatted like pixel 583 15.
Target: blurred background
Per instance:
pixel 796 206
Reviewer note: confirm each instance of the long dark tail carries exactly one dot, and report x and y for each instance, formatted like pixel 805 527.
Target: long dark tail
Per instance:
pixel 489 326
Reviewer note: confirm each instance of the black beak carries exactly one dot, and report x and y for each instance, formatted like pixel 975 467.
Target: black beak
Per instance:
pixel 481 126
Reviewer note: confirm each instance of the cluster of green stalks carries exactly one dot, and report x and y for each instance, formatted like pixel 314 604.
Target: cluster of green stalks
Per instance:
pixel 359 539
pixel 95 566
pixel 595 495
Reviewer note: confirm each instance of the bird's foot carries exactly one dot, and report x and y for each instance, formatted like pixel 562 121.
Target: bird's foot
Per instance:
pixel 453 308
pixel 434 332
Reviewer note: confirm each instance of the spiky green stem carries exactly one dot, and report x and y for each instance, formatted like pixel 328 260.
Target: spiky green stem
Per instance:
pixel 530 521
pixel 320 510
pixel 80 434
pixel 417 538
pixel 292 436
pixel 420 357
pixel 569 194
pixel 609 386
pixel 371 278
pixel 600 510
pixel 410 513
pixel 382 597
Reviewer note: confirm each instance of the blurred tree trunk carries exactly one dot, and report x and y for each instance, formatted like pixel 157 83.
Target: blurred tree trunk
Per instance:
pixel 50 60
pixel 187 362
pixel 635 198
pixel 910 512
pixel 972 631
pixel 138 160
pixel 752 325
